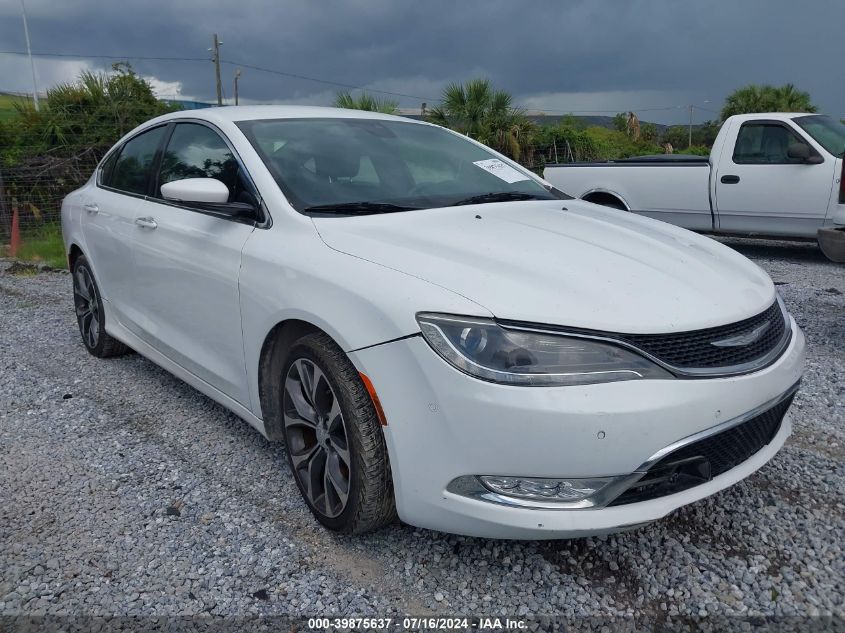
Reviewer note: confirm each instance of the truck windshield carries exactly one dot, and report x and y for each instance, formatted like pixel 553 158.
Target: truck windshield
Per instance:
pixel 361 166
pixel 828 132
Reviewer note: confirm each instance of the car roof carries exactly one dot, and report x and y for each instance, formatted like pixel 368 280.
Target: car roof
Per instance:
pixel 775 116
pixel 254 112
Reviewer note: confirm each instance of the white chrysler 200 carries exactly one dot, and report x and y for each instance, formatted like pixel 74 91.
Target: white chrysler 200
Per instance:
pixel 434 331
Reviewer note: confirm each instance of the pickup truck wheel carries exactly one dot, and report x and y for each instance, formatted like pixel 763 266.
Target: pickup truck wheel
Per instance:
pixel 90 313
pixel 335 444
pixel 832 244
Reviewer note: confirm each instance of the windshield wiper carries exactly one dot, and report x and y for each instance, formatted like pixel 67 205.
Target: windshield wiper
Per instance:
pixel 363 207
pixel 499 196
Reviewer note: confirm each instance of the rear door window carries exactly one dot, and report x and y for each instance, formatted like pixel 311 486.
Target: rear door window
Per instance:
pixel 131 171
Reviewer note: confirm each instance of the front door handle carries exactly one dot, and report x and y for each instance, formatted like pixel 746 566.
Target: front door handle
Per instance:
pixel 91 208
pixel 730 180
pixel 147 223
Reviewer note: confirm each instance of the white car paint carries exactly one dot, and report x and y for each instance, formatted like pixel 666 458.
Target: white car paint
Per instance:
pixel 563 262
pixel 790 200
pixel 199 295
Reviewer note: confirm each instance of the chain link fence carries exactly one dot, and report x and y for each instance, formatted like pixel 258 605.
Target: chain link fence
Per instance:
pixel 35 180
pixel 34 188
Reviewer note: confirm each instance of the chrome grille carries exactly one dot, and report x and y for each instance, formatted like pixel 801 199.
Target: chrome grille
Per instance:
pixel 696 349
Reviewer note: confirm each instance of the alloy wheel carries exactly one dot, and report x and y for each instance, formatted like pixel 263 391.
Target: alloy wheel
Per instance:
pixel 87 306
pixel 316 437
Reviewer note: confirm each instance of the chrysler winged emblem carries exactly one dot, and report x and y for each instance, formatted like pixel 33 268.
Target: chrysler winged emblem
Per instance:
pixel 741 340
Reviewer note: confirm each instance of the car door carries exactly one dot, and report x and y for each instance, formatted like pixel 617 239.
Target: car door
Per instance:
pixel 108 215
pixel 760 189
pixel 187 260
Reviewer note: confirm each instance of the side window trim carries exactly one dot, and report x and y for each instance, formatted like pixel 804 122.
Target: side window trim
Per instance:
pixel 264 219
pixel 152 180
pixel 765 123
pixel 155 176
pixel 107 164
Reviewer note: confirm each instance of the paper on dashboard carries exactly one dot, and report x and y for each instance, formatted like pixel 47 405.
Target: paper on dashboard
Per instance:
pixel 501 170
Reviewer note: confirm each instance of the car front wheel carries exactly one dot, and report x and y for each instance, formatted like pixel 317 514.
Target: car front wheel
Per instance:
pixel 335 444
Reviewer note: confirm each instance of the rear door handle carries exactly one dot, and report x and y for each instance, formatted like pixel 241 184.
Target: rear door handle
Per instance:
pixel 147 223
pixel 91 208
pixel 730 180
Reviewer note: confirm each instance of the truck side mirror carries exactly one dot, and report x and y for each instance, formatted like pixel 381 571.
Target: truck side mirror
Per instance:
pixel 798 151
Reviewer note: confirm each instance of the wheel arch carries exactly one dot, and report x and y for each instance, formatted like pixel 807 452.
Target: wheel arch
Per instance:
pixel 73 254
pixel 274 350
pixel 605 197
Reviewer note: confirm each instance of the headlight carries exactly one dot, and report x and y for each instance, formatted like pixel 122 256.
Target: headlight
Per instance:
pixel 488 351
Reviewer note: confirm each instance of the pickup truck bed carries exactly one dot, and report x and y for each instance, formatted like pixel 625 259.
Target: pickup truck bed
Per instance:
pixel 775 174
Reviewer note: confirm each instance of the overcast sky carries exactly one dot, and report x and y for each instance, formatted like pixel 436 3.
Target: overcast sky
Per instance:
pixel 585 56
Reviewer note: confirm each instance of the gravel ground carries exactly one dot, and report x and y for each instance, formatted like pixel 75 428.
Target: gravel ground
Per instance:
pixel 124 491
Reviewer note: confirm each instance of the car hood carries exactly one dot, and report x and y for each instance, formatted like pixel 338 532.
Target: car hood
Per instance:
pixel 563 262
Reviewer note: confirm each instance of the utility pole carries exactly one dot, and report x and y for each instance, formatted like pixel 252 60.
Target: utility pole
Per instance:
pixel 215 57
pixel 31 62
pixel 690 126
pixel 237 76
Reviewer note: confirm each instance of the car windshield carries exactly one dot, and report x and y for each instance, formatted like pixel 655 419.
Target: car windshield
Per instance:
pixel 359 166
pixel 828 132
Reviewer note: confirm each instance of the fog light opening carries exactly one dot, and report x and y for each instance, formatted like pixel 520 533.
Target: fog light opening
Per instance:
pixel 564 490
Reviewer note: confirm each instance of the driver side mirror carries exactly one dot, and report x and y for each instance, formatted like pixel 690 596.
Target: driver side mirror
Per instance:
pixel 801 152
pixel 209 194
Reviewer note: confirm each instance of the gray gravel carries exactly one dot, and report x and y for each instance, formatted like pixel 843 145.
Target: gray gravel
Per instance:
pixel 124 491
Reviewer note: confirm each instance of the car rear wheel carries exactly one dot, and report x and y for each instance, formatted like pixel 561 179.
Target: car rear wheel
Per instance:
pixel 90 314
pixel 335 444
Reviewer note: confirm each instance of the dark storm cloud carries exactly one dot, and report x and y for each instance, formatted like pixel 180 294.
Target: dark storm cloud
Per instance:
pixel 544 52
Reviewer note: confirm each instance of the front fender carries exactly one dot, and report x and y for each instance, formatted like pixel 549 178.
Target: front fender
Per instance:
pixel 356 302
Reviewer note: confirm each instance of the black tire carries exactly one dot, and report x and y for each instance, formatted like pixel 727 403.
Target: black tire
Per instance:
pixel 369 503
pixel 90 313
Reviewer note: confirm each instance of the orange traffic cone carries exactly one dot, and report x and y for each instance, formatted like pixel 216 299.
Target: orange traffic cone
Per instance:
pixel 15 242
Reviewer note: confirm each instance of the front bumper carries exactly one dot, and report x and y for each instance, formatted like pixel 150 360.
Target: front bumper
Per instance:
pixel 444 425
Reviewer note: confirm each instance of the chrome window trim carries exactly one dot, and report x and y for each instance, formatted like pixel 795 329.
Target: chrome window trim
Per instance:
pixel 266 220
pixel 681 372
pixel 471 486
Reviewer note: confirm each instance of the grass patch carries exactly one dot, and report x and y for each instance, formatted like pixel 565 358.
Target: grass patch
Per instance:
pixel 44 246
pixel 7 105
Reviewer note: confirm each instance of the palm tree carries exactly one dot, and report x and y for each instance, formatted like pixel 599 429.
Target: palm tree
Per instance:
pixel 365 102
pixel 485 114
pixel 789 99
pixel 765 98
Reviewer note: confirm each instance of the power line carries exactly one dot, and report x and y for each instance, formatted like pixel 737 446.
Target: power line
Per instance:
pixel 139 57
pixel 224 61
pixel 329 82
pixel 324 81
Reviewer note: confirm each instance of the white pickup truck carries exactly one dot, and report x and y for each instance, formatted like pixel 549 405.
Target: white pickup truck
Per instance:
pixel 772 174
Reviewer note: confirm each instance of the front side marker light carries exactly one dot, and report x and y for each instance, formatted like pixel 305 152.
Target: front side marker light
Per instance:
pixel 368 385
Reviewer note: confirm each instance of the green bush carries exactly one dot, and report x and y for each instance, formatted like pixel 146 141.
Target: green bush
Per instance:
pixel 48 153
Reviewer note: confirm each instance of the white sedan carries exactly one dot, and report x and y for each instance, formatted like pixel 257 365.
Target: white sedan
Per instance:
pixel 434 331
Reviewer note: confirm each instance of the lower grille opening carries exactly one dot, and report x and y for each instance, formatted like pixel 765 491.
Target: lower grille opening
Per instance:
pixel 699 462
